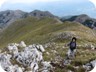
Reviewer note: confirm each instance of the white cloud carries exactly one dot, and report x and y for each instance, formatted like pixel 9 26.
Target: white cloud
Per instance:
pixel 37 1
pixel 94 2
pixel 26 1
pixel 30 1
pixel 2 1
pixel 34 1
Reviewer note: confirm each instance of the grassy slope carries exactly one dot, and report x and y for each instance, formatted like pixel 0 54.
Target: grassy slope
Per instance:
pixel 32 30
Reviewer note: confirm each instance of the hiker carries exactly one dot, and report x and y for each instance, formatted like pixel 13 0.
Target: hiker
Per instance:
pixel 72 49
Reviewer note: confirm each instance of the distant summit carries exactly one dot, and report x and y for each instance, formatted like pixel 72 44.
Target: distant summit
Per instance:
pixel 40 14
pixel 83 19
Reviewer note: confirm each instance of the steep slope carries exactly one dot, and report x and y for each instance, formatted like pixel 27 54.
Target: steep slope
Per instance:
pixel 44 30
pixel 9 16
pixel 83 19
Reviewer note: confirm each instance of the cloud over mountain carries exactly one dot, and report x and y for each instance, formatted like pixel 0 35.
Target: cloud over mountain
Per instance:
pixel 2 1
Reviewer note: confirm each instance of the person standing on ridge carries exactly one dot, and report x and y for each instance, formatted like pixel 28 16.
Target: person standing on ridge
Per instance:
pixel 72 48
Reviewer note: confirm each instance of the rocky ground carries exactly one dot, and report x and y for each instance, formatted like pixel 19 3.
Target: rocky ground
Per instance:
pixel 51 57
pixel 22 58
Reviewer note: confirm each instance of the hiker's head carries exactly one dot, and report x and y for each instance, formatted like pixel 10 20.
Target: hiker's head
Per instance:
pixel 74 39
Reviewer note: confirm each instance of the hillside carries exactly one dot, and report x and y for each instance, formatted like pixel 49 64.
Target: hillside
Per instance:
pixel 44 30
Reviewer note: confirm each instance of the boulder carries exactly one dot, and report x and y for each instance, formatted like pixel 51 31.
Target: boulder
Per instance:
pixel 46 66
pixel 89 66
pixel 29 57
pixel 13 49
pixel 1 69
pixel 19 69
pixel 94 69
pixel 41 48
pixel 22 44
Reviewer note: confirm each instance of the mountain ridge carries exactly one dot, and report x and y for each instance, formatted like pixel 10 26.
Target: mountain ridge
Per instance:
pixel 83 19
pixel 9 16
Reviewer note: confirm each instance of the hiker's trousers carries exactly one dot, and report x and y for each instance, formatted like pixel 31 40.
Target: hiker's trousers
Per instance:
pixel 71 53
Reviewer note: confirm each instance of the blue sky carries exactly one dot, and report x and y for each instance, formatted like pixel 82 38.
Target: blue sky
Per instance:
pixel 57 7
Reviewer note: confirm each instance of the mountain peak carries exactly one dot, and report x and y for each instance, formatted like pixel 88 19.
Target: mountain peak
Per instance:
pixel 83 15
pixel 40 14
pixel 18 11
pixel 83 19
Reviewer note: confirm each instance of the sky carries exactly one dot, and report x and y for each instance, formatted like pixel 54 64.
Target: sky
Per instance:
pixel 56 7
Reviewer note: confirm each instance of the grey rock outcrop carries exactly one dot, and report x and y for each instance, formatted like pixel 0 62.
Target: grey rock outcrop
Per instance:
pixel 9 16
pixel 89 66
pixel 28 59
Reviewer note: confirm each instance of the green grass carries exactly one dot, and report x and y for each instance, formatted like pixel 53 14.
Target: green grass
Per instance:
pixel 33 30
pixel 83 56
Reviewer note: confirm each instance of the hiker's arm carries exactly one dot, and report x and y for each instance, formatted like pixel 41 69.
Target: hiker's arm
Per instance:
pixel 67 45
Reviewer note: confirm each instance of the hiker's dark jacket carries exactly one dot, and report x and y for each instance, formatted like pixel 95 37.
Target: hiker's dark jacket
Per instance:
pixel 72 45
